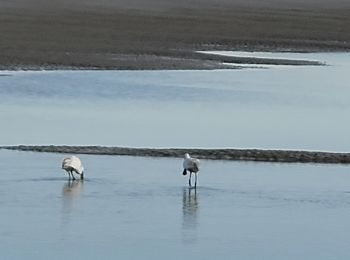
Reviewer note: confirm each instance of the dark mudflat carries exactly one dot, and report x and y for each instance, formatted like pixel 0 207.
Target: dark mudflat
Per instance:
pixel 212 154
pixel 162 34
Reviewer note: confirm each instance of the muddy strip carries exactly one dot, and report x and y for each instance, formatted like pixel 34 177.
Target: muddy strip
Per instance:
pixel 211 154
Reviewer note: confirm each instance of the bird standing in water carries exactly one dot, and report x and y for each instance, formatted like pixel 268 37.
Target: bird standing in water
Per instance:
pixel 73 164
pixel 191 165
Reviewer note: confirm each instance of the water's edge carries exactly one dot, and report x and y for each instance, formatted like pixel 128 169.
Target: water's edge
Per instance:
pixel 185 60
pixel 211 154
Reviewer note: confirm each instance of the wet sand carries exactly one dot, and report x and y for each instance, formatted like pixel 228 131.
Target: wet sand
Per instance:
pixel 156 34
pixel 212 154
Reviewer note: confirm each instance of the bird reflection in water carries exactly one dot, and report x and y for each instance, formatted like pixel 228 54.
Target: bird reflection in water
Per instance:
pixel 70 192
pixel 190 208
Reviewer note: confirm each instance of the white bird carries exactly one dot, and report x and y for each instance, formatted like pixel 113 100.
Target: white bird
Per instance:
pixel 191 165
pixel 73 164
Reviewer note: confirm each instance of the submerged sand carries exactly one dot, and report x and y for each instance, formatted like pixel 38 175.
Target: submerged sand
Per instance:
pixel 163 34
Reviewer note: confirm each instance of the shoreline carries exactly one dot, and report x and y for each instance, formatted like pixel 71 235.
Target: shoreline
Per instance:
pixel 201 62
pixel 255 155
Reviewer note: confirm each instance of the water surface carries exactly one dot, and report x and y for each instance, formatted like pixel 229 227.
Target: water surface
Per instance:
pixel 289 108
pixel 133 208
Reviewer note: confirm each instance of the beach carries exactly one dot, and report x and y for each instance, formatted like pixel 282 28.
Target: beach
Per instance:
pixel 154 34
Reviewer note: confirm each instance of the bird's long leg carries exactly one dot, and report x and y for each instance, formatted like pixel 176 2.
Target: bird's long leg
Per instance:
pixel 189 179
pixel 195 182
pixel 73 175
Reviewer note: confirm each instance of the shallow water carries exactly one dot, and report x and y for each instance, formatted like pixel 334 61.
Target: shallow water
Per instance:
pixel 133 208
pixel 283 108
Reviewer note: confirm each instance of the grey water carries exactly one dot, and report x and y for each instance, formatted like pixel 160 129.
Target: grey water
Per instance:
pixel 141 208
pixel 283 107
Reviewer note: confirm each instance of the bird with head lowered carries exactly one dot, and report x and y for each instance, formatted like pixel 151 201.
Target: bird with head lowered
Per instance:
pixel 73 165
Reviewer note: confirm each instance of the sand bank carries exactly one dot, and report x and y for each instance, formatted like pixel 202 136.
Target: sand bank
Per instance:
pixel 212 154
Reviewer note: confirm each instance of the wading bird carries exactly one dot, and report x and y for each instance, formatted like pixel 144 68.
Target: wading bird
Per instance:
pixel 191 165
pixel 73 164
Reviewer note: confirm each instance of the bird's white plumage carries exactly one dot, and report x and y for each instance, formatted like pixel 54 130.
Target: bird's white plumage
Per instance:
pixel 191 164
pixel 73 163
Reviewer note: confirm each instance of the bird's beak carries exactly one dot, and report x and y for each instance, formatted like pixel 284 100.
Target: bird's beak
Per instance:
pixel 184 172
pixel 82 176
